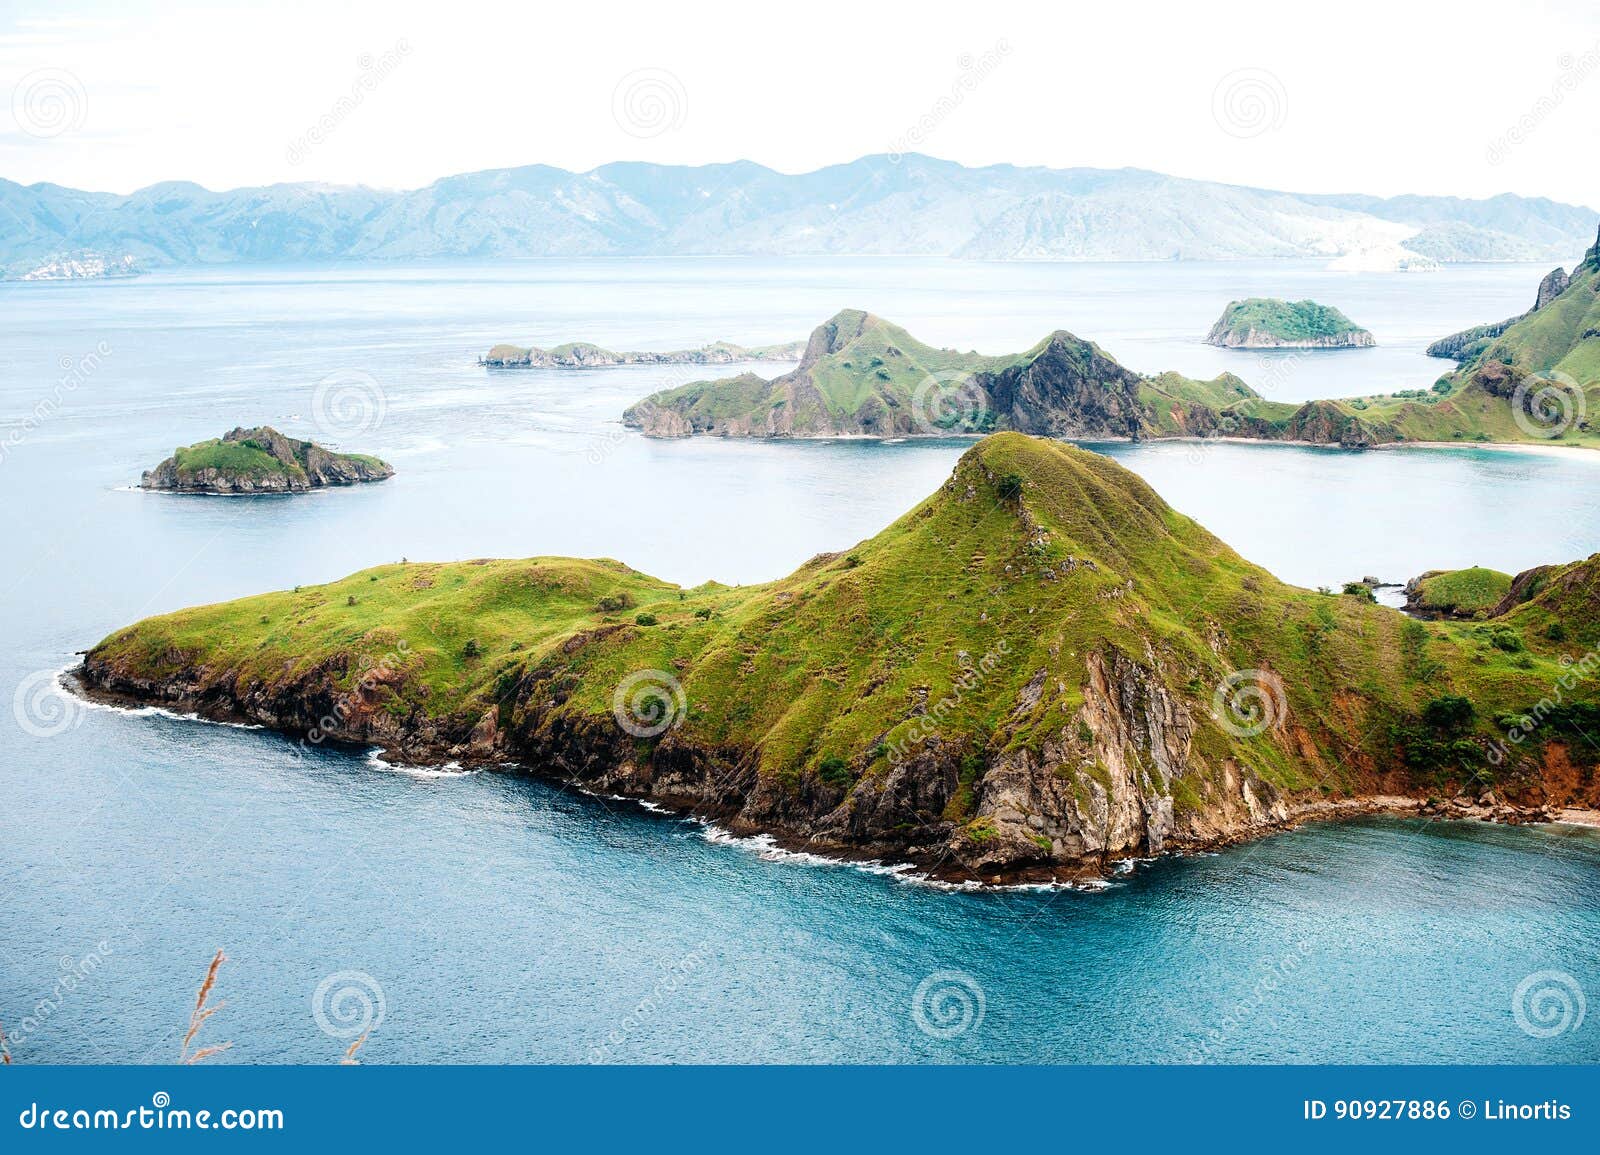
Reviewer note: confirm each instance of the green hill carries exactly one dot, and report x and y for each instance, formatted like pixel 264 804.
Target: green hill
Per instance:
pixel 860 375
pixel 1040 668
pixel 863 376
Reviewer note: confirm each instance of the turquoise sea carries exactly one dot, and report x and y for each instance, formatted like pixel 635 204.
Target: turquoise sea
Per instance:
pixel 491 917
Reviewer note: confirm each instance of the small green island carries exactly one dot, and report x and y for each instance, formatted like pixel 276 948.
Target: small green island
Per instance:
pixel 261 460
pixel 1270 323
pixel 1039 670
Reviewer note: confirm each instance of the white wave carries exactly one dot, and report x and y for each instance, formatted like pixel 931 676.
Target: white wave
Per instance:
pixel 70 688
pixel 451 769
pixel 766 847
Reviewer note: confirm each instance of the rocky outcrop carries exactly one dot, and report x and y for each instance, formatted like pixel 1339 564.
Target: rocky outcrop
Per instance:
pixel 582 355
pixel 261 460
pixel 1069 389
pixel 1554 284
pixel 1108 785
pixel 1524 588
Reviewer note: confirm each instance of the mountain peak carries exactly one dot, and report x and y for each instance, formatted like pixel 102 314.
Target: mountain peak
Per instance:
pixel 837 332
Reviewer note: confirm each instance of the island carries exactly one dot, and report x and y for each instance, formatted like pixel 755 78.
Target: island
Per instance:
pixel 862 376
pixel 1039 671
pixel 1269 323
pixel 261 460
pixel 582 355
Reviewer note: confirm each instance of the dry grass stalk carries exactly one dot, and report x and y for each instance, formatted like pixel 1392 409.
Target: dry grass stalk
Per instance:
pixel 203 1010
pixel 350 1059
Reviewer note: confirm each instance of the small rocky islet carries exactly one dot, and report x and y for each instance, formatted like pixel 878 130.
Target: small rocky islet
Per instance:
pixel 261 461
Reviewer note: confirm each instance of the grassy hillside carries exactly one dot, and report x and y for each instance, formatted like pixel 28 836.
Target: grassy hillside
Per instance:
pixel 236 458
pixel 1045 609
pixel 1460 592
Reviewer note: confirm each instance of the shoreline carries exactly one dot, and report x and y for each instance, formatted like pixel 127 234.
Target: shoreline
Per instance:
pixel 906 863
pixel 1535 447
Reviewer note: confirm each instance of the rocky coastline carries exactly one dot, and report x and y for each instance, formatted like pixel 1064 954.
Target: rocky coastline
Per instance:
pixel 707 784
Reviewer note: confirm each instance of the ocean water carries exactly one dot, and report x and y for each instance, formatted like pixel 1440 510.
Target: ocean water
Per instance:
pixel 492 917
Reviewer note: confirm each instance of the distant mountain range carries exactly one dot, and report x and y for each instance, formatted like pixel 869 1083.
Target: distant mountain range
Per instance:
pixel 876 205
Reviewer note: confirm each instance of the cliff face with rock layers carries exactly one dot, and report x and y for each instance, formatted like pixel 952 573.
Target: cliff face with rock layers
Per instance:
pixel 1039 670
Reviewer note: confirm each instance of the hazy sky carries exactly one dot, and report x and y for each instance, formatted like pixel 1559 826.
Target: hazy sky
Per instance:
pixel 1464 98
